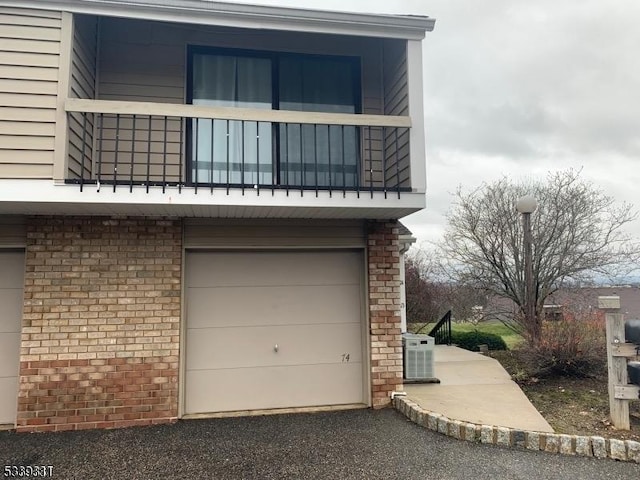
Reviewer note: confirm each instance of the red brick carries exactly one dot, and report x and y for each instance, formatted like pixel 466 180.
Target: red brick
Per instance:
pixel 79 268
pixel 384 337
pixel 86 426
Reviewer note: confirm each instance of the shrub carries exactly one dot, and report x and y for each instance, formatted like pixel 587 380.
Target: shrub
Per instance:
pixel 574 346
pixel 471 340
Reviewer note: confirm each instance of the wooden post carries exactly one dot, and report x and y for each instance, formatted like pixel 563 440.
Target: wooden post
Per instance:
pixel 617 366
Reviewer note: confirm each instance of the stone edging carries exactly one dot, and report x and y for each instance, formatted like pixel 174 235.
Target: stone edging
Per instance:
pixel 597 447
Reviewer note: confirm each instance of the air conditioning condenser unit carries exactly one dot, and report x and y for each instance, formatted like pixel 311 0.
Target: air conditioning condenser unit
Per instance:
pixel 418 356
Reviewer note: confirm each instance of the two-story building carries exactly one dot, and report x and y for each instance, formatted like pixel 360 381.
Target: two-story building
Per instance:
pixel 198 208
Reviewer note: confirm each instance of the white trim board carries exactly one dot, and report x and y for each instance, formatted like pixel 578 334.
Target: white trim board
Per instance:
pixel 232 113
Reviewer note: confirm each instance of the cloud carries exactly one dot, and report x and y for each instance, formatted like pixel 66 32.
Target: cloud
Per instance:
pixel 515 73
pixel 521 88
pixel 411 7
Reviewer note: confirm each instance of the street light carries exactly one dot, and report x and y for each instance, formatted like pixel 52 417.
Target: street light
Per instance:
pixel 526 206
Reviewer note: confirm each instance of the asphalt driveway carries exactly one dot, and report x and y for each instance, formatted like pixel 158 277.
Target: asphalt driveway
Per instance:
pixel 357 444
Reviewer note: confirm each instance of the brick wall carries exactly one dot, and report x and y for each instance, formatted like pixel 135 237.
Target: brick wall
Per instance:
pixel 100 331
pixel 384 311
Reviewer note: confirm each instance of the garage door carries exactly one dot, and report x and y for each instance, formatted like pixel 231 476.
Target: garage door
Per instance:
pixel 273 330
pixel 11 284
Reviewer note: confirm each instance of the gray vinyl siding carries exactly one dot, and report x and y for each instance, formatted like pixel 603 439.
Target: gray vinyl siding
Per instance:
pixel 228 233
pixel 149 153
pixel 396 102
pixel 29 62
pixel 82 85
pixel 146 61
pixel 372 103
pixel 13 231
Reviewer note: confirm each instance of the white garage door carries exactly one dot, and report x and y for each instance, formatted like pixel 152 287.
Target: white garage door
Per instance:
pixel 11 285
pixel 273 330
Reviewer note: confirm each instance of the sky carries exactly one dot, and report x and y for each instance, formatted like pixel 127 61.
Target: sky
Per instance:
pixel 519 88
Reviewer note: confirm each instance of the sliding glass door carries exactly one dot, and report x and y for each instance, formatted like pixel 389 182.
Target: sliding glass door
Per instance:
pixel 225 151
pixel 291 155
pixel 324 155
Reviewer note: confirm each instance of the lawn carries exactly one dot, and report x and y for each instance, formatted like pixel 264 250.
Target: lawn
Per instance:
pixel 511 338
pixel 498 328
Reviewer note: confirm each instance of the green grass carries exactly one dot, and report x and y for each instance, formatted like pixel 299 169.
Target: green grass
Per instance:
pixel 498 328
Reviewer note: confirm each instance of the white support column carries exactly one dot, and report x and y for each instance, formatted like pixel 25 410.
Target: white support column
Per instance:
pixel 416 111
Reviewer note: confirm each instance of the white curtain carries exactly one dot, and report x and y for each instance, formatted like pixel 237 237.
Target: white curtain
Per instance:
pixel 242 152
pixel 232 151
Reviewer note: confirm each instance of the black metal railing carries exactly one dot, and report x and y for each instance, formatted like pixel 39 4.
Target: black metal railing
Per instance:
pixel 441 332
pixel 219 155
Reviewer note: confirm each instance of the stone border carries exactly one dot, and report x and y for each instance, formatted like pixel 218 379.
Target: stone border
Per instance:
pixel 595 447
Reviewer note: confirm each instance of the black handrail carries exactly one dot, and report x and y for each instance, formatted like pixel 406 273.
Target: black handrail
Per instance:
pixel 441 332
pixel 148 150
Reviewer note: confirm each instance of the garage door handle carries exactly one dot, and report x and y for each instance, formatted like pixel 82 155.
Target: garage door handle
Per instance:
pixel 275 348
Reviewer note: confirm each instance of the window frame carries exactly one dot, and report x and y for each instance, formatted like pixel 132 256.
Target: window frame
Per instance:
pixel 353 61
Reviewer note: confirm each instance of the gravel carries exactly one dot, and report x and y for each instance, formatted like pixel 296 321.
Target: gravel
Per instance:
pixel 356 444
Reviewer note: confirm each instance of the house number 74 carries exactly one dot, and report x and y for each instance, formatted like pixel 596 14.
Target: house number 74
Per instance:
pixel 345 357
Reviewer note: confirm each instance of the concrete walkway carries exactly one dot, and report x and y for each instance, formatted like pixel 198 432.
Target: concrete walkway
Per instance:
pixel 476 389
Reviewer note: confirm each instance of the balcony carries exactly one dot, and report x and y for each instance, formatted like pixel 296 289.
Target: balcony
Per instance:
pixel 217 150
pixel 219 120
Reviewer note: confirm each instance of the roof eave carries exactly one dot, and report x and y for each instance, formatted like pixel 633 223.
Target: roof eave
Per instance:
pixel 248 16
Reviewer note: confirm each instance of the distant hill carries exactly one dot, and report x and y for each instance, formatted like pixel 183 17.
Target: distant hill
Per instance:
pixel 585 297
pixel 588 296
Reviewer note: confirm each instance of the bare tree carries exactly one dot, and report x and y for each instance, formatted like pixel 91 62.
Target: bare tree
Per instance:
pixel 578 233
pixel 430 294
pixel 422 296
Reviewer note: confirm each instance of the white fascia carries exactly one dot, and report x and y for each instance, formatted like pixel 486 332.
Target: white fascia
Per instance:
pixel 33 197
pixel 245 16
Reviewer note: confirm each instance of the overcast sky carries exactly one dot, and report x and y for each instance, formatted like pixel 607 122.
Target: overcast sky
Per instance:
pixel 521 88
